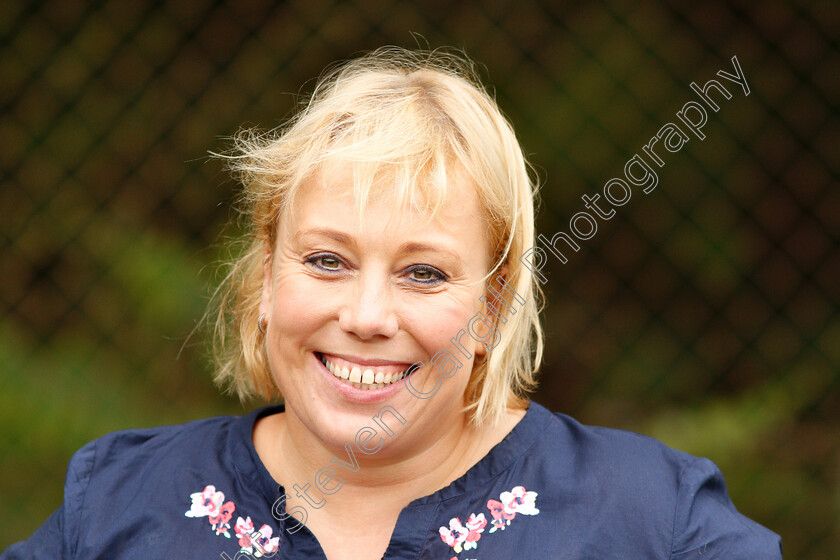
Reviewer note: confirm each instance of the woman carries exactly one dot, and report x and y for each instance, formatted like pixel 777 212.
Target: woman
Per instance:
pixel 382 296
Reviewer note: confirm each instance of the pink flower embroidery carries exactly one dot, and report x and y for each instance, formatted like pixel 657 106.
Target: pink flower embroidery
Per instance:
pixel 516 501
pixel 243 530
pixel 260 540
pixel 461 537
pixel 475 526
pixel 220 521
pixel 520 501
pixel 206 502
pixel 455 535
pixel 263 543
pixel 211 504
pixel 466 536
pixel 501 515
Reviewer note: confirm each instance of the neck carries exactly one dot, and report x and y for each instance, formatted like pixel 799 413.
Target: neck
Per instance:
pixel 399 473
pixel 372 487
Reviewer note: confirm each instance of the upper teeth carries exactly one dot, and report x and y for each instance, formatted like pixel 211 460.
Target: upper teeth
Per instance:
pixel 368 378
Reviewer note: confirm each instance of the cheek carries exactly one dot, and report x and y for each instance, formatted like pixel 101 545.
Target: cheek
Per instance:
pixel 434 323
pixel 298 308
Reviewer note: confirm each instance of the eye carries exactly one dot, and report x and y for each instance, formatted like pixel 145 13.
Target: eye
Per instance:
pixel 426 275
pixel 325 261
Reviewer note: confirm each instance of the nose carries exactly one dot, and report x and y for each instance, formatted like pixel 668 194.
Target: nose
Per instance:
pixel 369 310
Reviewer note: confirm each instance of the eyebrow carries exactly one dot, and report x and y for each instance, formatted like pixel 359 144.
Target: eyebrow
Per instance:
pixel 407 247
pixel 335 235
pixel 418 247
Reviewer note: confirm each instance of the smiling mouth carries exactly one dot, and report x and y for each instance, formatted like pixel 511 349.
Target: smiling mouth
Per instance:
pixel 364 377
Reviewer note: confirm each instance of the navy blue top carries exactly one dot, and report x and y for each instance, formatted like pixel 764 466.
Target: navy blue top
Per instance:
pixel 552 488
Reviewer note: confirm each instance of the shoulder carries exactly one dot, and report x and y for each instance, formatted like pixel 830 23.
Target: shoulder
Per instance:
pixel 135 449
pixel 205 444
pixel 625 456
pixel 640 486
pixel 155 441
pixel 138 482
pixel 118 459
pixel 133 483
pixel 624 466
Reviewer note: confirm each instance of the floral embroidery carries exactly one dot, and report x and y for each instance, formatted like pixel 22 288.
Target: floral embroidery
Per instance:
pixel 249 539
pixel 244 529
pixel 475 525
pixel 455 535
pixel 501 517
pixel 466 536
pixel 461 537
pixel 513 502
pixel 211 504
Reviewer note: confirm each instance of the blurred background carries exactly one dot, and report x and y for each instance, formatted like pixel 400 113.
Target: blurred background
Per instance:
pixel 704 314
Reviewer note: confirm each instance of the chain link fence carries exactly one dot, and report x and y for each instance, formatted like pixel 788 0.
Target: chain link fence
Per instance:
pixel 704 313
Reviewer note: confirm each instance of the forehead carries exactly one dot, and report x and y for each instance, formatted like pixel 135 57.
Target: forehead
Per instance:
pixel 333 199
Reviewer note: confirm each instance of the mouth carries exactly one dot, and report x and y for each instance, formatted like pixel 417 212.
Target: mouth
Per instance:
pixel 365 377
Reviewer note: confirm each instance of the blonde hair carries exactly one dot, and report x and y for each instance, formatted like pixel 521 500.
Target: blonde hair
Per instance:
pixel 410 116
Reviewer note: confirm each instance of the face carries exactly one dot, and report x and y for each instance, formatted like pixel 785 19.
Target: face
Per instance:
pixel 352 304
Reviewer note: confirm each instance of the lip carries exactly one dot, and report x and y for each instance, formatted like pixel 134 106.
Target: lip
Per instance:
pixel 367 361
pixel 351 393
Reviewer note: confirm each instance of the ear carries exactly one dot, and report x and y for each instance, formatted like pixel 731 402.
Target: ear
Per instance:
pixel 265 300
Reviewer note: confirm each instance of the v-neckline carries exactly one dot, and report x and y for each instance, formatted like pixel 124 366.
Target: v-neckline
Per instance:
pixel 414 521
